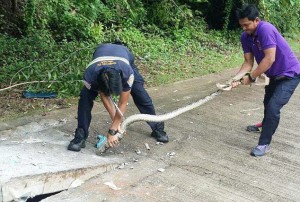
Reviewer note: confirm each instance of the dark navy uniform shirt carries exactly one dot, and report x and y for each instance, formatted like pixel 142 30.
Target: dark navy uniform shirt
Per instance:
pixel 116 56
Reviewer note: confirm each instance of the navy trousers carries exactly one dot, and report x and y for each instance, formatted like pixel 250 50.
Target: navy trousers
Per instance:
pixel 140 97
pixel 277 94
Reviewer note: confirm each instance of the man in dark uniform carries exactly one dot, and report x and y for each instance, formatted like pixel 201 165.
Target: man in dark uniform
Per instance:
pixel 113 72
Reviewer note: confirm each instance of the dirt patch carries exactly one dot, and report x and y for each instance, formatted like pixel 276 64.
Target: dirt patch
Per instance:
pixel 13 104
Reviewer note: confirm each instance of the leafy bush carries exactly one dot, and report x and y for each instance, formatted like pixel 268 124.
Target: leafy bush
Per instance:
pixel 58 67
pixel 284 14
pixel 80 19
pixel 64 19
pixel 169 14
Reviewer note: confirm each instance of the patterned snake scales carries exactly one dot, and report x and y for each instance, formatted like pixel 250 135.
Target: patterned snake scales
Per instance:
pixel 170 115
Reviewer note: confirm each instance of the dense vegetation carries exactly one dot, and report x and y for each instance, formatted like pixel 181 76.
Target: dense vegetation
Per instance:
pixel 49 43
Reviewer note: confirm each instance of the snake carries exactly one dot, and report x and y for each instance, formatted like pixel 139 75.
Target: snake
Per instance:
pixel 163 117
pixel 159 118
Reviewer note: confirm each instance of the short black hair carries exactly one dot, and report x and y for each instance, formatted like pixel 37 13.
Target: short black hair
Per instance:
pixel 110 82
pixel 247 11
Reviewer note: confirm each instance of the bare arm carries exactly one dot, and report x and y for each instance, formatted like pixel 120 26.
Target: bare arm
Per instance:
pixel 246 67
pixel 115 116
pixel 122 106
pixel 109 106
pixel 262 67
pixel 266 62
pixel 247 64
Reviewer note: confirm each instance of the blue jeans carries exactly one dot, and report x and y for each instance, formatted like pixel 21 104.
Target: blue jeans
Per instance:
pixel 277 94
pixel 140 97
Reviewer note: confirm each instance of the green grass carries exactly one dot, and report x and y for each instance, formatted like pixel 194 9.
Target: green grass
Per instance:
pixel 295 45
pixel 174 66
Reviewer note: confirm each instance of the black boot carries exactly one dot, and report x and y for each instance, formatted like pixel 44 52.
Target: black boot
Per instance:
pixel 78 142
pixel 160 136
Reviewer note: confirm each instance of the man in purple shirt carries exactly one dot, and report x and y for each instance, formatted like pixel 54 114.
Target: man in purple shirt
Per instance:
pixel 262 41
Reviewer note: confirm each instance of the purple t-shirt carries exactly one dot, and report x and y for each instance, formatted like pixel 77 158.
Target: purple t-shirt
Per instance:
pixel 267 36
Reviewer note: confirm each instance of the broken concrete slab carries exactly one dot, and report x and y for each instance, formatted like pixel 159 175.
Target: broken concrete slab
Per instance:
pixel 115 185
pixel 34 160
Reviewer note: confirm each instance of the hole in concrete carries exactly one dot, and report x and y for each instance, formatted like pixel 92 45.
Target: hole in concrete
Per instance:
pixel 41 197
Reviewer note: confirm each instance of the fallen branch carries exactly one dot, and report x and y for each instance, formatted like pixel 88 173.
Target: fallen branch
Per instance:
pixel 29 82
